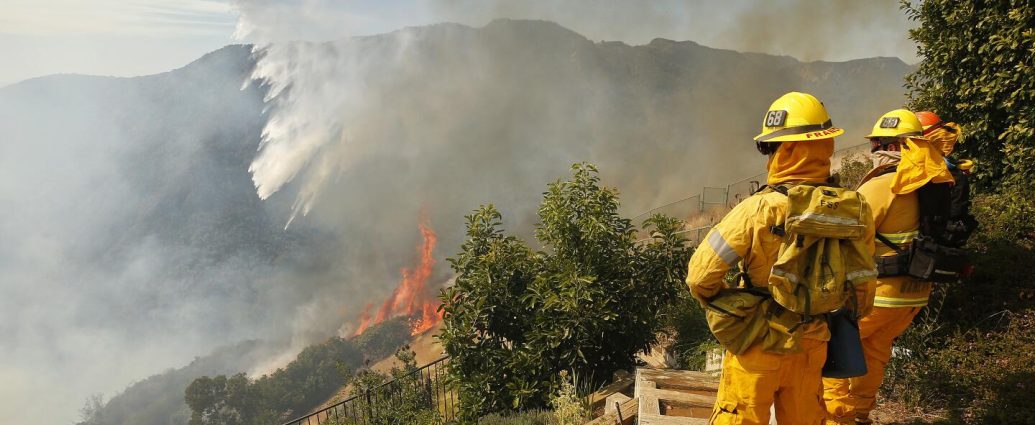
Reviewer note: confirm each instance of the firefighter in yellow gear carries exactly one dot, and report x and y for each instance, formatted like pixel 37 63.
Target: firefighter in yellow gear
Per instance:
pixel 797 135
pixel 904 161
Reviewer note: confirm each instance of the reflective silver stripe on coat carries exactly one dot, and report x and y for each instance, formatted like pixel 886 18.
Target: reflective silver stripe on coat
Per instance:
pixel 824 218
pixel 861 273
pixel 721 248
pixel 785 274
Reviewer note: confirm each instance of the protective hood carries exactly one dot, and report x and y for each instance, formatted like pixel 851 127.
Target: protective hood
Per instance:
pixel 921 163
pixel 807 161
pixel 944 137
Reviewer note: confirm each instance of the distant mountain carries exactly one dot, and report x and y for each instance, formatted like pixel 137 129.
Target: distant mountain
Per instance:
pixel 159 399
pixel 129 210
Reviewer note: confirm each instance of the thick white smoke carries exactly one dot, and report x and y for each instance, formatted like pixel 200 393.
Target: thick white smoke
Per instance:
pixel 322 96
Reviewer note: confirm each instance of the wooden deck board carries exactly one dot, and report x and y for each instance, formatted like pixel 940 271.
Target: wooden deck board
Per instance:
pixel 628 413
pixel 660 389
pixel 671 420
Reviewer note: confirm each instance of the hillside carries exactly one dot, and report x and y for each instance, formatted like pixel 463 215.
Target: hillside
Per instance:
pixel 130 201
pixel 158 400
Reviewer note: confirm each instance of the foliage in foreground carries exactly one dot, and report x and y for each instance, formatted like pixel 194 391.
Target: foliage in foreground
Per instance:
pixel 588 303
pixel 693 340
pixel 568 405
pixel 971 351
pixel 977 376
pixel 977 66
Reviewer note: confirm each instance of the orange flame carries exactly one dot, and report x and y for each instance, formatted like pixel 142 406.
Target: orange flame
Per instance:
pixel 411 298
pixel 364 319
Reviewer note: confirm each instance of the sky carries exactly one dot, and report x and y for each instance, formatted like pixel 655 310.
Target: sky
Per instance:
pixel 140 37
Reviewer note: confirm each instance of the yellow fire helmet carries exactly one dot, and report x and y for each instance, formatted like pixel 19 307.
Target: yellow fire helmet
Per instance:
pixel 966 165
pixel 795 117
pixel 898 123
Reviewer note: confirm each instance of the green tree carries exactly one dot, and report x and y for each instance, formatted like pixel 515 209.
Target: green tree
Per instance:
pixel 587 303
pixel 219 400
pixel 317 372
pixel 978 59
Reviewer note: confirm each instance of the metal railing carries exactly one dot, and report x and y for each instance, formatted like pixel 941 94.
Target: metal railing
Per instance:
pixel 426 385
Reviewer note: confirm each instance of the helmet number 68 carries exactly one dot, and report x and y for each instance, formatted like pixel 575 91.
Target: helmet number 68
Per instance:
pixel 775 118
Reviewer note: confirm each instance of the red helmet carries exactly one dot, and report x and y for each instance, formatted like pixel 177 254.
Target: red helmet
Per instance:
pixel 929 120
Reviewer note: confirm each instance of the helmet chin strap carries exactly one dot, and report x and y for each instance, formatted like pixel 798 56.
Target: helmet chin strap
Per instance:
pixel 767 148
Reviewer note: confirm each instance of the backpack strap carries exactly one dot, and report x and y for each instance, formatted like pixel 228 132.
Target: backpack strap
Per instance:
pixel 778 229
pixel 879 171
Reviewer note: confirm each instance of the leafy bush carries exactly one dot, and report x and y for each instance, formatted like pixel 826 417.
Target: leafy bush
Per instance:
pixel 515 317
pixel 976 70
pixel 693 339
pixel 980 377
pixel 569 407
pixel 971 351
pixel 1006 216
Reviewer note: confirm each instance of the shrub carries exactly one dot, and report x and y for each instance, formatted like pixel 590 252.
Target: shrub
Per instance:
pixel 531 417
pixel 976 70
pixel 693 339
pixel 588 303
pixel 971 349
pixel 569 408
pixel 980 377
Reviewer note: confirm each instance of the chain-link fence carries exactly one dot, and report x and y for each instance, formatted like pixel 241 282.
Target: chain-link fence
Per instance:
pixel 701 211
pixel 682 209
pixel 740 190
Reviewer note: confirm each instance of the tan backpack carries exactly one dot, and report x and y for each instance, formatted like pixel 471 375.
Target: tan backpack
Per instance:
pixel 823 256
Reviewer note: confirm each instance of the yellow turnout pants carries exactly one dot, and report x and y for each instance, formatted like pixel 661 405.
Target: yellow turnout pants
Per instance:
pixel 755 380
pixel 848 400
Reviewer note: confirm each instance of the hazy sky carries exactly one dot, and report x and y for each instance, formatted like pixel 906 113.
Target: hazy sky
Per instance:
pixel 136 37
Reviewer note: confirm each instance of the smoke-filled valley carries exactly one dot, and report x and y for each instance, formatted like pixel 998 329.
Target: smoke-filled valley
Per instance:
pixel 145 220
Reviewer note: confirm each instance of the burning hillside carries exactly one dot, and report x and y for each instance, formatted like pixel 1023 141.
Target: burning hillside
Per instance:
pixel 411 298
